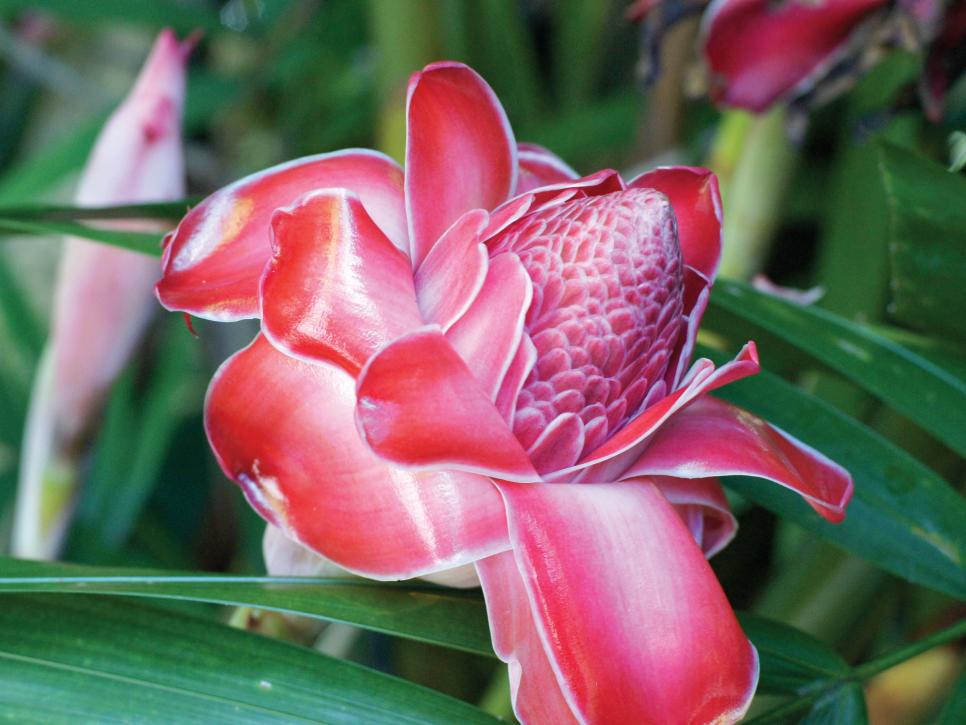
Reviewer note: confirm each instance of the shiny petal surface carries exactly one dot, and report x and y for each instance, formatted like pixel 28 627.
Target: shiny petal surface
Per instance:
pixel 714 438
pixel 534 690
pixel 336 288
pixel 540 166
pixel 420 407
pixel 702 378
pixel 460 151
pixel 214 260
pixel 758 51
pixel 452 274
pixel 488 335
pixel 696 200
pixel 628 611
pixel 284 431
pixel 702 506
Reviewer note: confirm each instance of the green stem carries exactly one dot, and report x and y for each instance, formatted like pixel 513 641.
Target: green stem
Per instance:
pixel 862 673
pixel 891 659
pixel 753 195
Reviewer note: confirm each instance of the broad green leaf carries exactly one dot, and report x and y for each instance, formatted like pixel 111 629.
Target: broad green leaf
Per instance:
pixel 102 659
pixel 790 659
pixel 903 516
pixel 142 242
pixel 447 617
pixel 927 241
pixel 929 395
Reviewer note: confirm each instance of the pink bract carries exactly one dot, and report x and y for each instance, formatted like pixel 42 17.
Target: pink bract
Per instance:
pixel 486 359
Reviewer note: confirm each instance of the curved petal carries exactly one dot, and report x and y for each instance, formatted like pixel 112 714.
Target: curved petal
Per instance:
pixel 523 362
pixel 696 200
pixel 488 335
pixel 283 430
pixel 420 407
pixel 629 613
pixel 702 506
pixel 536 695
pixel 286 557
pixel 540 166
pixel 452 274
pixel 758 51
pixel 703 378
pixel 336 288
pixel 214 259
pixel 714 438
pixel 460 151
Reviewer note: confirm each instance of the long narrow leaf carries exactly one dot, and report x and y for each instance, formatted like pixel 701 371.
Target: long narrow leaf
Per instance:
pixel 929 395
pixel 903 516
pixel 170 210
pixel 447 617
pixel 142 242
pixel 65 659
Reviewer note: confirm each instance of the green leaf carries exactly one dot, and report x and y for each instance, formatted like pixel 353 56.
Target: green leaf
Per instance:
pixel 903 516
pixel 927 241
pixel 142 242
pixel 183 16
pixel 169 210
pixel 447 617
pixel 790 659
pixel 844 705
pixel 124 661
pixel 929 395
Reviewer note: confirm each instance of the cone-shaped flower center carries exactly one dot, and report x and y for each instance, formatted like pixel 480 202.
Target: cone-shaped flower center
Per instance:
pixel 605 317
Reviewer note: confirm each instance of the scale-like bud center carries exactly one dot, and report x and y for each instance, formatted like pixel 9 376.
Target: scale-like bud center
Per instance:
pixel 605 318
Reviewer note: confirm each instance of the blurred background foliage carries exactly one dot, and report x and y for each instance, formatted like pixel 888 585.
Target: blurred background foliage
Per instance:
pixel 880 229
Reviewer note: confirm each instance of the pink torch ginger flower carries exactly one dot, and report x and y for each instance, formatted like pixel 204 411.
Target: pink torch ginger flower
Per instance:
pixel 486 359
pixel 103 296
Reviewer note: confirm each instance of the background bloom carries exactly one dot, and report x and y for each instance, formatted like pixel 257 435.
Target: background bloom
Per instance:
pixel 487 359
pixel 103 298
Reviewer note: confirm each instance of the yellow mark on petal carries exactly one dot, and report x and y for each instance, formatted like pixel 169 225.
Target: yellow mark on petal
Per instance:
pixel 236 218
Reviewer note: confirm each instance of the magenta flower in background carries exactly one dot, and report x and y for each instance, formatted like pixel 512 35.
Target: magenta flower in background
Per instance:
pixel 486 360
pixel 103 298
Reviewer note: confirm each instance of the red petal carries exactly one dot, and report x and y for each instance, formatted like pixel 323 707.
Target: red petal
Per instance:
pixel 284 431
pixel 702 379
pixel 488 335
pixel 214 259
pixel 452 274
pixel 629 612
pixel 516 375
pixel 694 196
pixel 702 506
pixel 536 696
pixel 421 407
pixel 460 151
pixel 713 438
pixel 336 288
pixel 539 167
pixel 758 51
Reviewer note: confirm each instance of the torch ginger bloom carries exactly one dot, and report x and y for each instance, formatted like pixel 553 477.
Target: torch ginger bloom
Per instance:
pixel 487 359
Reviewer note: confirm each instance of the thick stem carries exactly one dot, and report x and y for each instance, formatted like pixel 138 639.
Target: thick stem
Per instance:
pixel 753 195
